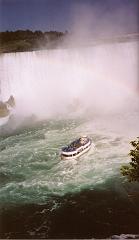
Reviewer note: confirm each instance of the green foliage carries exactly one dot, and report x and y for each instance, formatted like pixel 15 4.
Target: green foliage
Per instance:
pixel 132 169
pixel 26 40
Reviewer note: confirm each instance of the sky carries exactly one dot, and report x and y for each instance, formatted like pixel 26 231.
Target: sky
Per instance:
pixel 62 15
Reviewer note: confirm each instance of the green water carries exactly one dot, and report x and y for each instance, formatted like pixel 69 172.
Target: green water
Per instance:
pixel 32 171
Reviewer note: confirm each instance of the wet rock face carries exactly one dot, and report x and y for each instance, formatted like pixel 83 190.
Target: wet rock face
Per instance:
pixel 11 101
pixel 4 106
pixel 4 111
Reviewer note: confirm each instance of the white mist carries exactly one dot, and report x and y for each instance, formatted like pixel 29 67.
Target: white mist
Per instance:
pixel 100 78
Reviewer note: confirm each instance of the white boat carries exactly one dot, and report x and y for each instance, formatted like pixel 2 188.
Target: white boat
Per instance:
pixel 76 148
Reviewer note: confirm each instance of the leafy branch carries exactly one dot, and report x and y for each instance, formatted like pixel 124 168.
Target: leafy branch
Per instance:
pixel 131 171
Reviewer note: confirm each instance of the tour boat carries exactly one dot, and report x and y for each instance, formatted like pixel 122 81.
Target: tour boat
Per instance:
pixel 76 148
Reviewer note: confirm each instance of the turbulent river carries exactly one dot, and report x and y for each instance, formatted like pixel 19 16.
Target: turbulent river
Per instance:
pixel 61 95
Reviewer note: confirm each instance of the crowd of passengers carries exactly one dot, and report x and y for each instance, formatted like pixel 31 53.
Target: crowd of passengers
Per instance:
pixel 74 145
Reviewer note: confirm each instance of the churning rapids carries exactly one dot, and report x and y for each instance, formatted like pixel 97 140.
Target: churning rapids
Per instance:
pixel 61 95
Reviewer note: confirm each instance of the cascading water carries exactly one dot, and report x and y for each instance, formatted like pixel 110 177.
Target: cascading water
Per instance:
pixel 49 84
pixel 46 82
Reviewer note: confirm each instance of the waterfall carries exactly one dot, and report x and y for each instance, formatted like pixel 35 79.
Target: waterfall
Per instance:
pixel 101 78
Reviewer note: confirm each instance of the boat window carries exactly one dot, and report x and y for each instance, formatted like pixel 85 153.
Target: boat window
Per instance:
pixel 80 150
pixel 72 155
pixel 64 155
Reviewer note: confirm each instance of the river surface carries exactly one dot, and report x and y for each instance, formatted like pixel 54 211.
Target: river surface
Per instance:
pixel 42 196
pixel 54 198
